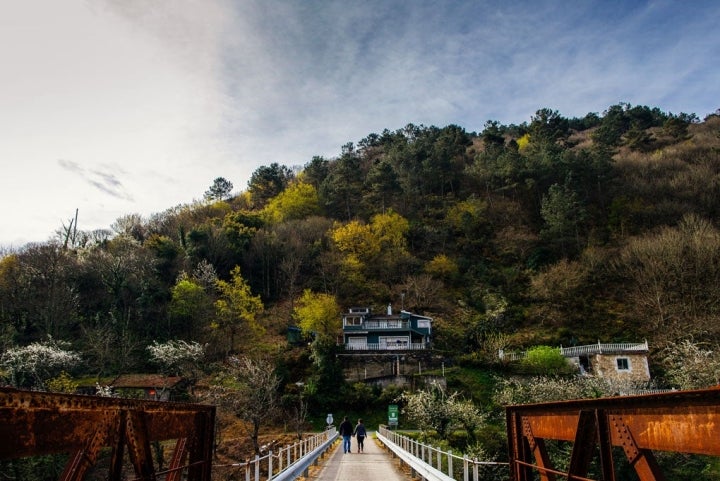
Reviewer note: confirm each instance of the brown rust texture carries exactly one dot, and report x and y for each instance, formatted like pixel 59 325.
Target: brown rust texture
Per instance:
pixel 683 421
pixel 33 423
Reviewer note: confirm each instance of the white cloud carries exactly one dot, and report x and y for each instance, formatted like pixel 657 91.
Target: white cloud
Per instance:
pixel 127 106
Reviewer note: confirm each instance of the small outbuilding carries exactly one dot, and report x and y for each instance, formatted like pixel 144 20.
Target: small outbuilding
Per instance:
pixel 154 387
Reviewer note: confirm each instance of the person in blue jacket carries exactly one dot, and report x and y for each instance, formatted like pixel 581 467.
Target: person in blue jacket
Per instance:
pixel 346 430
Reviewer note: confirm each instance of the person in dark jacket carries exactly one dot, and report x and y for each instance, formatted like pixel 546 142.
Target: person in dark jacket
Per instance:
pixel 346 430
pixel 360 434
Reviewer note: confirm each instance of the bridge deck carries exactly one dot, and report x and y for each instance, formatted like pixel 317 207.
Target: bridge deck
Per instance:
pixel 373 463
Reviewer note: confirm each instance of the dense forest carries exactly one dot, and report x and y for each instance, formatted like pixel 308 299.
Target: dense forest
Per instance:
pixel 557 231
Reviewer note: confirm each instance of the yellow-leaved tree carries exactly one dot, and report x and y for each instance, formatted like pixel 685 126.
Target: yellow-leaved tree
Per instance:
pixel 236 308
pixel 523 141
pixel 318 314
pixel 372 250
pixel 442 267
pixel 298 201
pixel 391 230
pixel 356 241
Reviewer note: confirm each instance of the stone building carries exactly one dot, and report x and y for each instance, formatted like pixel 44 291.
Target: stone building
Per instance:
pixel 614 362
pixel 617 362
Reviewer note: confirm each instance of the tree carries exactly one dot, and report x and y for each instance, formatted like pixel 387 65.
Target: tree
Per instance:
pixel 612 127
pixel 130 225
pixel 356 241
pixel 548 127
pixel 550 388
pixel 267 182
pixel 298 201
pixel 326 386
pixel 219 190
pixel 673 277
pixel 563 214
pixel 422 291
pixel 690 366
pixel 638 139
pixel 382 187
pixel 40 283
pixel 295 406
pixel 442 267
pixel 11 296
pixel 342 190
pixel 676 128
pixel 236 308
pixel 249 389
pixel 33 365
pixel 315 171
pixel 178 358
pixel 318 314
pixel 190 308
pixel 492 135
pixel 390 229
pixel 434 409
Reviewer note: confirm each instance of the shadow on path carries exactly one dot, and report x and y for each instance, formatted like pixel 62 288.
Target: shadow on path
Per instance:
pixel 374 463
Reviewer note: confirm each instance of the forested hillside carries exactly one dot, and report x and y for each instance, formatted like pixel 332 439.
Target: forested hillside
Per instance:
pixel 556 231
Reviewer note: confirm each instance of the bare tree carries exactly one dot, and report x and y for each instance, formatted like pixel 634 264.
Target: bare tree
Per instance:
pixel 674 277
pixel 248 388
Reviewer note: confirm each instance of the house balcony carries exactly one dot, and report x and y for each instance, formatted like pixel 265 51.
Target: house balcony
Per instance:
pixel 385 346
pixel 378 326
pixel 587 350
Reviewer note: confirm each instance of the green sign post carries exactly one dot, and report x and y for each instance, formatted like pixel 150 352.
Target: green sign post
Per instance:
pixel 393 415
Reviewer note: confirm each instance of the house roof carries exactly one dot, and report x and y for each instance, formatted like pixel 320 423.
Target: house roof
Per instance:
pixel 145 381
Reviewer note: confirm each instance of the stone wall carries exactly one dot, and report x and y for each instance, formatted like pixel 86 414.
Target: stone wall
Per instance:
pixel 606 366
pixel 360 367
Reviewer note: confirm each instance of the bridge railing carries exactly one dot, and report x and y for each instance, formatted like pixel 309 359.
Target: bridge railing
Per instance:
pixel 432 463
pixel 287 463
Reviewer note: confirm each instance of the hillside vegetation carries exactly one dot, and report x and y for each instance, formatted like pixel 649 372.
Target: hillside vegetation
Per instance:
pixel 557 231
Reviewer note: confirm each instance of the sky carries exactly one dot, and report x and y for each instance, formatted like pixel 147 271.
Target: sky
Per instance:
pixel 119 107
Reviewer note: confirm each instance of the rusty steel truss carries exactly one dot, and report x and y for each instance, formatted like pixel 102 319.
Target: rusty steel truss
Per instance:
pixel 683 422
pixel 38 423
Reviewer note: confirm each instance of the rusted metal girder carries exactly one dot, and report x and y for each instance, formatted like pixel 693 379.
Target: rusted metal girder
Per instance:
pixel 683 421
pixel 35 423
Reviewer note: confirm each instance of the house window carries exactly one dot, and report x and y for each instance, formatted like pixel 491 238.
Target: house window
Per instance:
pixel 353 321
pixel 394 342
pixel 623 363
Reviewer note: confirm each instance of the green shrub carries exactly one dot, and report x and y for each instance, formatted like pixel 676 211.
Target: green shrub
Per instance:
pixel 546 360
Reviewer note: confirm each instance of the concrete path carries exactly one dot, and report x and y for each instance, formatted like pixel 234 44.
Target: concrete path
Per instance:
pixel 374 463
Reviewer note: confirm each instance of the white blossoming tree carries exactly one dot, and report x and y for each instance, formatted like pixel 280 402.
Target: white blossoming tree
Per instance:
pixel 178 358
pixel 692 365
pixel 432 408
pixel 33 365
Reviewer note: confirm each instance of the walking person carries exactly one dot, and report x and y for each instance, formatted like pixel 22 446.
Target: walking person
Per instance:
pixel 360 433
pixel 346 430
